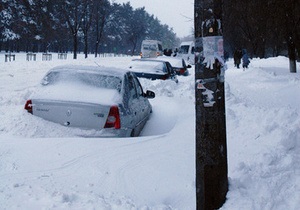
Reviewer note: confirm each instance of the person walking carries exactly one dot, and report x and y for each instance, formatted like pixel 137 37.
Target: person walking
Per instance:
pixel 237 55
pixel 245 59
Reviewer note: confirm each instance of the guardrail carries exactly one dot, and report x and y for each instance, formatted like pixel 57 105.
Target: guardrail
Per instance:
pixel 47 57
pixel 31 56
pixel 10 57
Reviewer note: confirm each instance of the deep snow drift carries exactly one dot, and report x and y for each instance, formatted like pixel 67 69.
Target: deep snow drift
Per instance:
pixel 47 166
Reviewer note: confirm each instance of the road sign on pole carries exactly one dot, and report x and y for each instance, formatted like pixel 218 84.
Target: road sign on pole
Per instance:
pixel 211 148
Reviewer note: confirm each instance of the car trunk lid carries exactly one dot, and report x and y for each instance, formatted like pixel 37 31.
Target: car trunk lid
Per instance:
pixel 74 114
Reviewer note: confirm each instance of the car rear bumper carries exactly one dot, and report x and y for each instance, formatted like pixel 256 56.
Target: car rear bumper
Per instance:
pixel 106 133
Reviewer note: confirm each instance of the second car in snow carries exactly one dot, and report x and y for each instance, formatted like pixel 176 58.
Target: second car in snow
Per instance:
pixel 153 69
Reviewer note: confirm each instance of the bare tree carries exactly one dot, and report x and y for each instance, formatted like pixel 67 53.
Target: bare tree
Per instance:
pixel 89 11
pixel 101 14
pixel 72 13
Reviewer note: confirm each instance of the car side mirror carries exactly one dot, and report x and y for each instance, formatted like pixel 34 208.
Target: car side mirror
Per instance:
pixel 150 94
pixel 189 66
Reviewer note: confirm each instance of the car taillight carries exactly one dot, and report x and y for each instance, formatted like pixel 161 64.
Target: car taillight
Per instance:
pixel 113 118
pixel 164 77
pixel 181 71
pixel 28 106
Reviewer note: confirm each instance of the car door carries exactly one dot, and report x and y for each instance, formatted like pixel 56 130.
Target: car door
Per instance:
pixel 133 101
pixel 171 72
pixel 145 107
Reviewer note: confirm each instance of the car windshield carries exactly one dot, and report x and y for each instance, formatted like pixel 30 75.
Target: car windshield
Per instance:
pixel 86 78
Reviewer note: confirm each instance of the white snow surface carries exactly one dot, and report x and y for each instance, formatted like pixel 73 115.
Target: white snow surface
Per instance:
pixel 44 165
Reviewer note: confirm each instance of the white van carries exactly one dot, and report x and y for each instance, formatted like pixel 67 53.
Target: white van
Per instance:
pixel 187 51
pixel 151 49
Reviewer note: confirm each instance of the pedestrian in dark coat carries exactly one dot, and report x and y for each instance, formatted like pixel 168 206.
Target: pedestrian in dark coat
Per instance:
pixel 237 55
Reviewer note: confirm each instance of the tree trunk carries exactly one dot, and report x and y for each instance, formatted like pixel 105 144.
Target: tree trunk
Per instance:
pixel 75 46
pixel 96 48
pixel 134 47
pixel 99 34
pixel 292 56
pixel 86 44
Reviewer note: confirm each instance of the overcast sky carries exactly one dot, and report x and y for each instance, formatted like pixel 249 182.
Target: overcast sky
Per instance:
pixel 178 14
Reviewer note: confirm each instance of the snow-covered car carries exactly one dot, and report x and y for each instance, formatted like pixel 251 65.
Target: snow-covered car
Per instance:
pixel 178 64
pixel 108 100
pixel 153 69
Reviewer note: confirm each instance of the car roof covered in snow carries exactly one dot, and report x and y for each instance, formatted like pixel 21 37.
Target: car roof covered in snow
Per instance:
pixel 174 61
pixel 111 71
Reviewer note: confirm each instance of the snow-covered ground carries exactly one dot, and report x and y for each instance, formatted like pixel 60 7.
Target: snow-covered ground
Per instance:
pixel 48 166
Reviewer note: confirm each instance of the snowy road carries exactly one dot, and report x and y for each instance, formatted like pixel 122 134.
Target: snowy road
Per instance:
pixel 48 166
pixel 45 165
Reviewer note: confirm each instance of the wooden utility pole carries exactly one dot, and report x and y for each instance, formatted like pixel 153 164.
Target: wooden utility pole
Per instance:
pixel 211 149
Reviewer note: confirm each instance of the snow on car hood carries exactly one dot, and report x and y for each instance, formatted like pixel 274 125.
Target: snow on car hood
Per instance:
pixel 77 92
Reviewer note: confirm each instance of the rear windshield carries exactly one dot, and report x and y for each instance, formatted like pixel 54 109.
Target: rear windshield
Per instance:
pixel 147 65
pixel 184 49
pixel 86 78
pixel 149 47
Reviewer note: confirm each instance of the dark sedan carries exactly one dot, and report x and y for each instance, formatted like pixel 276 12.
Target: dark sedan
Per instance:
pixel 178 64
pixel 153 69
